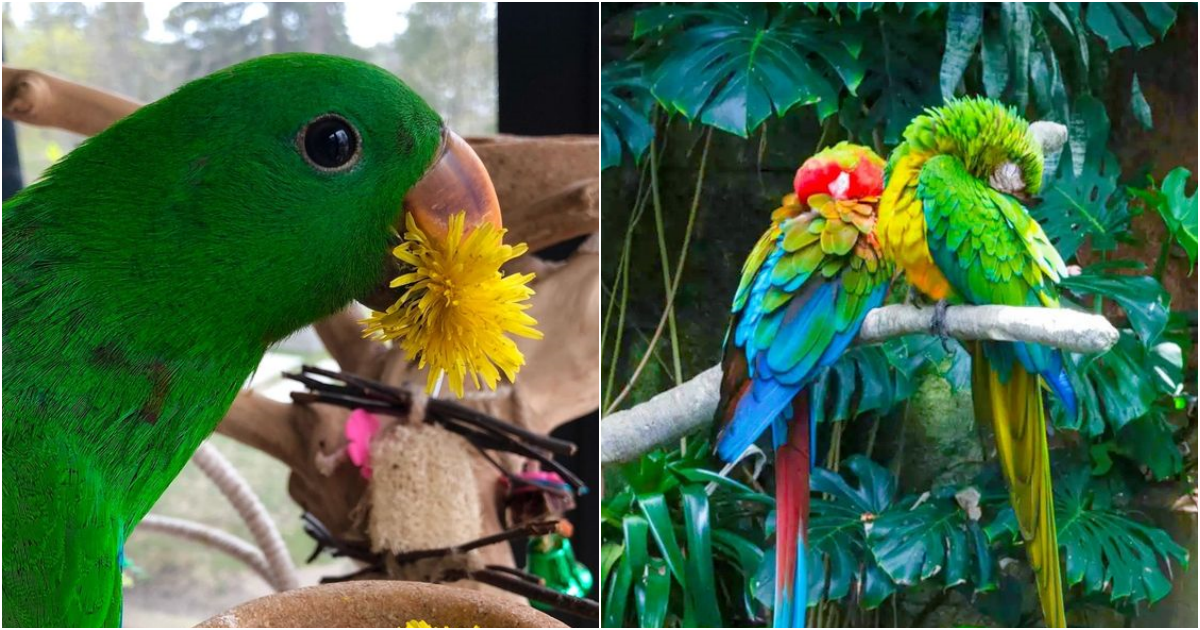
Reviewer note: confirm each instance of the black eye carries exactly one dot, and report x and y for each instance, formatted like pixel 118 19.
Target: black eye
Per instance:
pixel 330 143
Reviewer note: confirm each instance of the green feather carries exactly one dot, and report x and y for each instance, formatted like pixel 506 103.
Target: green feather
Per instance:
pixel 145 275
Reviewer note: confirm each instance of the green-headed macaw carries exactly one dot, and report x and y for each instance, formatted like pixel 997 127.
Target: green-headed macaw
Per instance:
pixel 804 292
pixel 959 239
pixel 147 272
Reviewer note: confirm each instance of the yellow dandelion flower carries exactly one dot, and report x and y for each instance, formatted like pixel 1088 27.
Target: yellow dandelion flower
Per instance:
pixel 458 305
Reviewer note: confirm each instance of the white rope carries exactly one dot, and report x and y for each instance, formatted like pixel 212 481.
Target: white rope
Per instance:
pixel 238 492
pixel 212 537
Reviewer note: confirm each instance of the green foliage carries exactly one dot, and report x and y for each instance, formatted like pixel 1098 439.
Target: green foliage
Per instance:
pixel 669 547
pixel 876 66
pixel 1105 549
pixel 624 104
pixel 875 378
pixel 1177 210
pixel 733 65
pixel 839 559
pixel 1082 202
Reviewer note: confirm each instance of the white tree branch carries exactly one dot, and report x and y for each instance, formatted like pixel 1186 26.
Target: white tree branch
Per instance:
pixel 677 412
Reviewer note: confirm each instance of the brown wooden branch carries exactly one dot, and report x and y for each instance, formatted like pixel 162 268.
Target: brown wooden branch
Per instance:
pixel 342 335
pixel 42 99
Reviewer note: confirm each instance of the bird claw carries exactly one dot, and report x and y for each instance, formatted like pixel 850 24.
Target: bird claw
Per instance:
pixel 937 324
pixel 912 297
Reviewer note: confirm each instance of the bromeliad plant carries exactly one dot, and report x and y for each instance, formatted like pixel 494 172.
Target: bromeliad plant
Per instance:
pixel 670 548
pixel 862 71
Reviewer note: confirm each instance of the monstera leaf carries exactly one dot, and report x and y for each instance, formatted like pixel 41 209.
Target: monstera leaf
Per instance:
pixel 1105 549
pixel 1180 214
pixel 1083 201
pixel 923 536
pixel 1177 209
pixel 1150 441
pixel 837 533
pixel 1119 26
pixel 732 65
pixel 1121 385
pixel 1142 298
pixel 625 102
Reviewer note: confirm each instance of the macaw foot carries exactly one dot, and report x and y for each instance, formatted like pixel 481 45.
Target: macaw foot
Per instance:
pixel 912 297
pixel 937 324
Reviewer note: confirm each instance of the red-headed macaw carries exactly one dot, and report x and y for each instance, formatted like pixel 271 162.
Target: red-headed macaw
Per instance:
pixel 958 239
pixel 804 292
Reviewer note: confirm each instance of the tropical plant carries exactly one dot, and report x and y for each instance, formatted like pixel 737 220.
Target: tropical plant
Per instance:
pixel 861 71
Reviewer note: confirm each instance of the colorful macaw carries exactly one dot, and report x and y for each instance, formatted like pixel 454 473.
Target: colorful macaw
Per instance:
pixel 950 222
pixel 804 292
pixel 147 272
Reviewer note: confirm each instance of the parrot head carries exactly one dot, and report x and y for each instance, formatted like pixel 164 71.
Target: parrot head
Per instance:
pixel 842 183
pixel 843 171
pixel 995 143
pixel 271 191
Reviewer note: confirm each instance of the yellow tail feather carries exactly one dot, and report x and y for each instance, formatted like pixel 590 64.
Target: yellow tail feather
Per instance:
pixel 1018 419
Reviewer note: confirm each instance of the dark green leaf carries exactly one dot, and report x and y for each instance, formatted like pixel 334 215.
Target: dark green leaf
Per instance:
pixel 1015 21
pixel 740 490
pixel 838 555
pixel 1142 298
pixel 1160 15
pixel 617 596
pixel 963 27
pixel 994 57
pixel 624 113
pixel 700 557
pixel 748 557
pixel 653 592
pixel 732 66
pixel 1113 389
pixel 1150 441
pixel 1083 200
pixel 1179 211
pixel 654 506
pixel 1049 92
pixel 636 531
pixel 609 554
pixel 1105 550
pixel 1103 23
pixel 1137 102
pixel 904 59
pixel 920 537
pixel 1118 26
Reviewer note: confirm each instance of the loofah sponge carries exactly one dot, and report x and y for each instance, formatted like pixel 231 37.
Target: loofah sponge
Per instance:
pixel 423 492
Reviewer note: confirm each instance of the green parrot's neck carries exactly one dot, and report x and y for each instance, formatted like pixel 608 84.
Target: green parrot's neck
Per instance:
pixel 110 365
pixel 980 132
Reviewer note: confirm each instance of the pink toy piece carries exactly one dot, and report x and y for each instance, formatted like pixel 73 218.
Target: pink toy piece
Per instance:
pixel 361 428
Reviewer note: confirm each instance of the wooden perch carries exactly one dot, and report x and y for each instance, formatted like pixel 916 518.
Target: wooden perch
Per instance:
pixel 689 407
pixel 41 99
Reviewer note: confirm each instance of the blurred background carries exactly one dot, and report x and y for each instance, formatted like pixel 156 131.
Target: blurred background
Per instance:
pixel 146 50
pixel 448 53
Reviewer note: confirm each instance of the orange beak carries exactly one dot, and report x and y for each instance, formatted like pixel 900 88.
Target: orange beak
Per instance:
pixel 457 182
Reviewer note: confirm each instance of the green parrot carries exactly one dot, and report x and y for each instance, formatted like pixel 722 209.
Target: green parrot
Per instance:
pixel 148 271
pixel 949 220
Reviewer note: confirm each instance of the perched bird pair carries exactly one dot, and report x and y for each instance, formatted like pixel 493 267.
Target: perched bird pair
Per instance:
pixel 147 272
pixel 942 212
